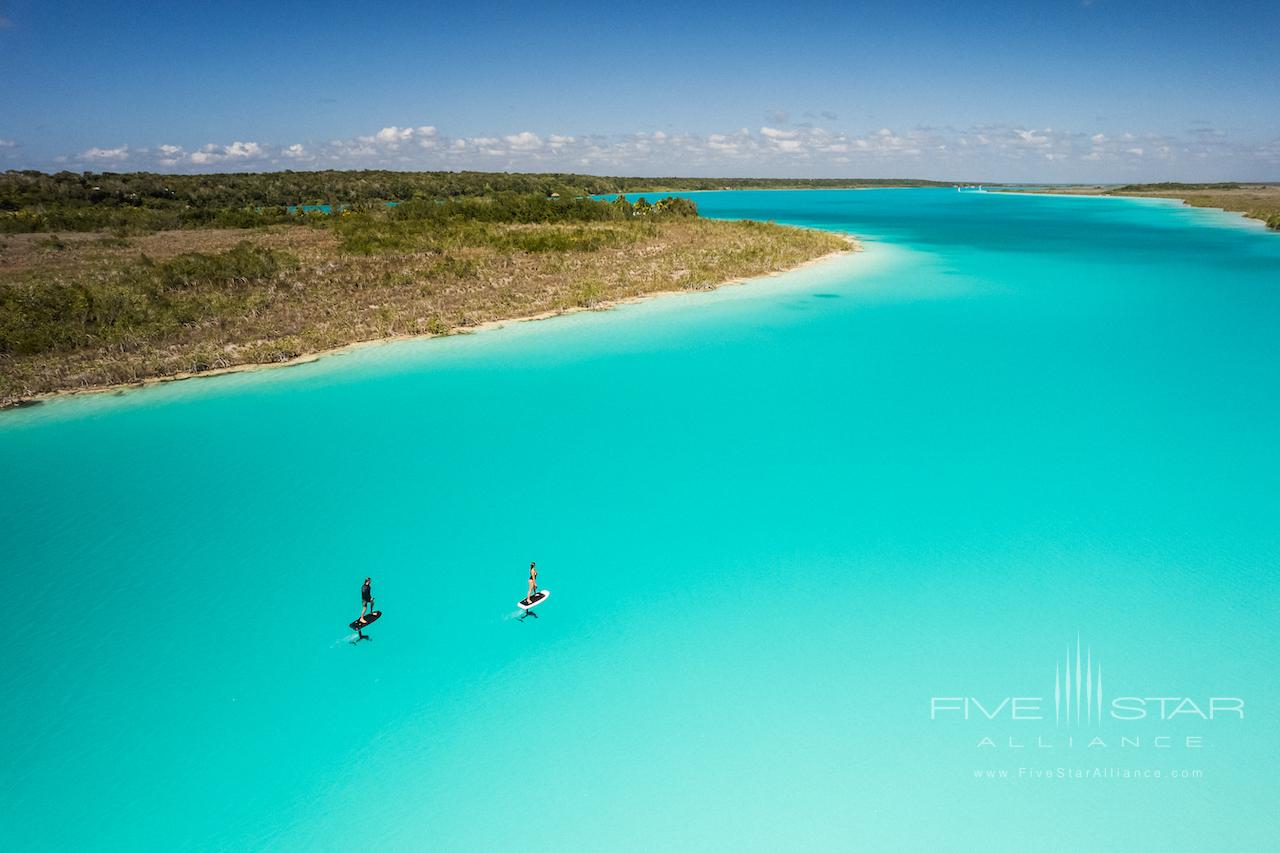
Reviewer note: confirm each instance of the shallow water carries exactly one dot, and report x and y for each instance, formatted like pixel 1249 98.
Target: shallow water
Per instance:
pixel 777 519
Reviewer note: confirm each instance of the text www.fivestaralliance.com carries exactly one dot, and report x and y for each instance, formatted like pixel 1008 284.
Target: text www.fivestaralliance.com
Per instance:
pixel 1086 774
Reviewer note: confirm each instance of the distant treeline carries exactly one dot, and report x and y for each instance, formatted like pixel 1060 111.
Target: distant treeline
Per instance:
pixel 510 207
pixel 143 201
pixel 1174 185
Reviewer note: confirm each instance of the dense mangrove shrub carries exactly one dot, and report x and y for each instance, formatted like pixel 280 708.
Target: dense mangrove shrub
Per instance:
pixel 142 300
pixel 240 264
pixel 439 225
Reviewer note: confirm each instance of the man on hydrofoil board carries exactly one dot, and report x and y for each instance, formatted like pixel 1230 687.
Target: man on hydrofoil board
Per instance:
pixel 366 598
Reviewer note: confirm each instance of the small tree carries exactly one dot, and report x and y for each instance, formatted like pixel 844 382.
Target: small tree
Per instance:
pixel 676 207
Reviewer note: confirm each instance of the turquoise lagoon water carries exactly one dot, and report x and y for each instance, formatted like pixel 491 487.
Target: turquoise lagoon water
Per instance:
pixel 777 519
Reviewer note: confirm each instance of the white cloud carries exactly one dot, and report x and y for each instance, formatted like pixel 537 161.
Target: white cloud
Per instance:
pixel 720 142
pixel 244 150
pixel 212 153
pixel 170 155
pixel 393 134
pixel 8 143
pixel 1031 137
pixel 991 152
pixel 523 141
pixel 106 154
pixel 390 138
pixel 774 133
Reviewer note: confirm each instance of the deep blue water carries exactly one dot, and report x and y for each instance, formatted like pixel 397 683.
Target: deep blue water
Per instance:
pixel 777 519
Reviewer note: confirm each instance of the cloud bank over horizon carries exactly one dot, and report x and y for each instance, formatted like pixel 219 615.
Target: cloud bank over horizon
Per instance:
pixel 1053 91
pixel 989 153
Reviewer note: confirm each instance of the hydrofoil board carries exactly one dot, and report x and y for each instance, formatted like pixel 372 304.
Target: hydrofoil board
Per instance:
pixel 366 620
pixel 538 597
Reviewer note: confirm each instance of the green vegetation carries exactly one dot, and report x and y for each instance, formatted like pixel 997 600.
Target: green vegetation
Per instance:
pixel 1174 186
pixel 137 301
pixel 555 226
pixel 142 299
pixel 143 202
pixel 124 305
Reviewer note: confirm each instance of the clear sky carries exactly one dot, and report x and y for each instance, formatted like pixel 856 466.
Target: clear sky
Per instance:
pixel 1054 90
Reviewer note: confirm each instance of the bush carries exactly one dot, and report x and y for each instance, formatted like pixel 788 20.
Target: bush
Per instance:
pixel 144 300
pixel 439 225
pixel 560 239
pixel 239 265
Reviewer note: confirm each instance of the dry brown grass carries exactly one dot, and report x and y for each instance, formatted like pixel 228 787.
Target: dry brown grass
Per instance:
pixel 334 299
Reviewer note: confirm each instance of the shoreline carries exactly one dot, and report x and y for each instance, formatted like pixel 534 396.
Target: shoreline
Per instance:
pixel 854 247
pixel 1249 215
pixel 607 196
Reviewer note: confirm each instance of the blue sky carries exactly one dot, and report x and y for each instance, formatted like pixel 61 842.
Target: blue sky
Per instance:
pixel 1057 91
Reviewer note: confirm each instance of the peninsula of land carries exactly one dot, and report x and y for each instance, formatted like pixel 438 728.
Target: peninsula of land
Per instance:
pixel 112 280
pixel 1256 201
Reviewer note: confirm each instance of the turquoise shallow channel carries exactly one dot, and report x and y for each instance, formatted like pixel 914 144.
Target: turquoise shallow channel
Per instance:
pixel 786 526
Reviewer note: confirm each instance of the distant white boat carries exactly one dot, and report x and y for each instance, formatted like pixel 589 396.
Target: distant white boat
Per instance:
pixel 970 189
